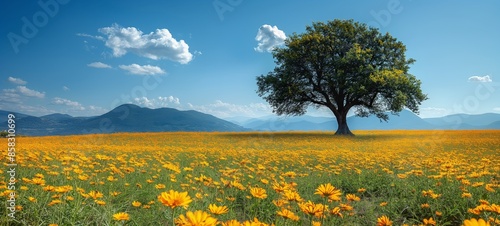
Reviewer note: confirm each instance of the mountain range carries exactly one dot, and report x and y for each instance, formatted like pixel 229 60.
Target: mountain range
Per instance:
pixel 405 120
pixel 124 118
pixel 132 118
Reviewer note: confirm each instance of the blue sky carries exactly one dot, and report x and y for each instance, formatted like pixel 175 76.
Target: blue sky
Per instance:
pixel 87 57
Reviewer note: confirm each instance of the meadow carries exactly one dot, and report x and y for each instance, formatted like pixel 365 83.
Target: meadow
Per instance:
pixel 254 178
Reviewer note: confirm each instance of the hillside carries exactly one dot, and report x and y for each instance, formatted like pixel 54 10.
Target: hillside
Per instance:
pixel 124 118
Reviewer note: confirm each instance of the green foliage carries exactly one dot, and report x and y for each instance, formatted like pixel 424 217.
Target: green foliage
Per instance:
pixel 341 64
pixel 3 133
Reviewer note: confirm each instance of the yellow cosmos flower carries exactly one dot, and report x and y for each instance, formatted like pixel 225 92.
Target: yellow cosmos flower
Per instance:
pixel 429 221
pixel 160 186
pixel 336 211
pixel 326 190
pixel 287 214
pixel 136 203
pixel 352 197
pixel 259 193
pixel 384 221
pixel 217 210
pixel 198 218
pixel 122 216
pixel 100 202
pixel 174 199
pixel 474 222
pixel 54 202
pixel 311 208
pixel 95 194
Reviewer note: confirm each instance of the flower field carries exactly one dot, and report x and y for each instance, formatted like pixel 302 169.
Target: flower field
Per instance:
pixel 289 178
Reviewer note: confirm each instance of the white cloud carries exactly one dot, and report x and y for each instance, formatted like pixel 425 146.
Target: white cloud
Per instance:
pixel 142 69
pixel 9 96
pixel 223 109
pixel 17 81
pixel 485 78
pixel 158 102
pixel 155 45
pixel 91 36
pixel 65 88
pixel 269 37
pixel 99 65
pixel 496 109
pixel 69 103
pixel 29 92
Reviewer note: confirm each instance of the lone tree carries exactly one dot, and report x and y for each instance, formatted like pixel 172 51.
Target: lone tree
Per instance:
pixel 341 64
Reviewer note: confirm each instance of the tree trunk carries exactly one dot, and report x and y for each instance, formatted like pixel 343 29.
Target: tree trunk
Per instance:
pixel 343 129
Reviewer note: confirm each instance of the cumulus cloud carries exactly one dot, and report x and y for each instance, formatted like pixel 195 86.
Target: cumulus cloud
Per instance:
pixel 17 81
pixel 485 78
pixel 269 37
pixel 157 102
pixel 142 69
pixel 98 65
pixel 29 92
pixel 69 103
pixel 223 109
pixel 155 45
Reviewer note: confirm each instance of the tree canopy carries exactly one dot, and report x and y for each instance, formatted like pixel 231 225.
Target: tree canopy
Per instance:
pixel 341 65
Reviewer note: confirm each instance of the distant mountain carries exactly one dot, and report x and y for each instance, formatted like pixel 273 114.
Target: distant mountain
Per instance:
pixel 4 114
pixel 132 118
pixel 57 117
pixel 406 120
pixel 465 121
pixel 124 118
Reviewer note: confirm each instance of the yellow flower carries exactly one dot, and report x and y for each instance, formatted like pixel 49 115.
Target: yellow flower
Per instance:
pixel 95 194
pixel 136 203
pixel 311 208
pixel 474 222
pixel 32 199
pixel 466 195
pixel 327 190
pixel 160 186
pixel 383 204
pixel 336 211
pixel 54 202
pixel 259 193
pixel 198 218
pixel 100 202
pixel 383 221
pixel 352 197
pixel 174 199
pixel 287 214
pixel 122 216
pixel 315 223
pixel 425 205
pixel 217 210
pixel 231 223
pixel 361 190
pixel 429 221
